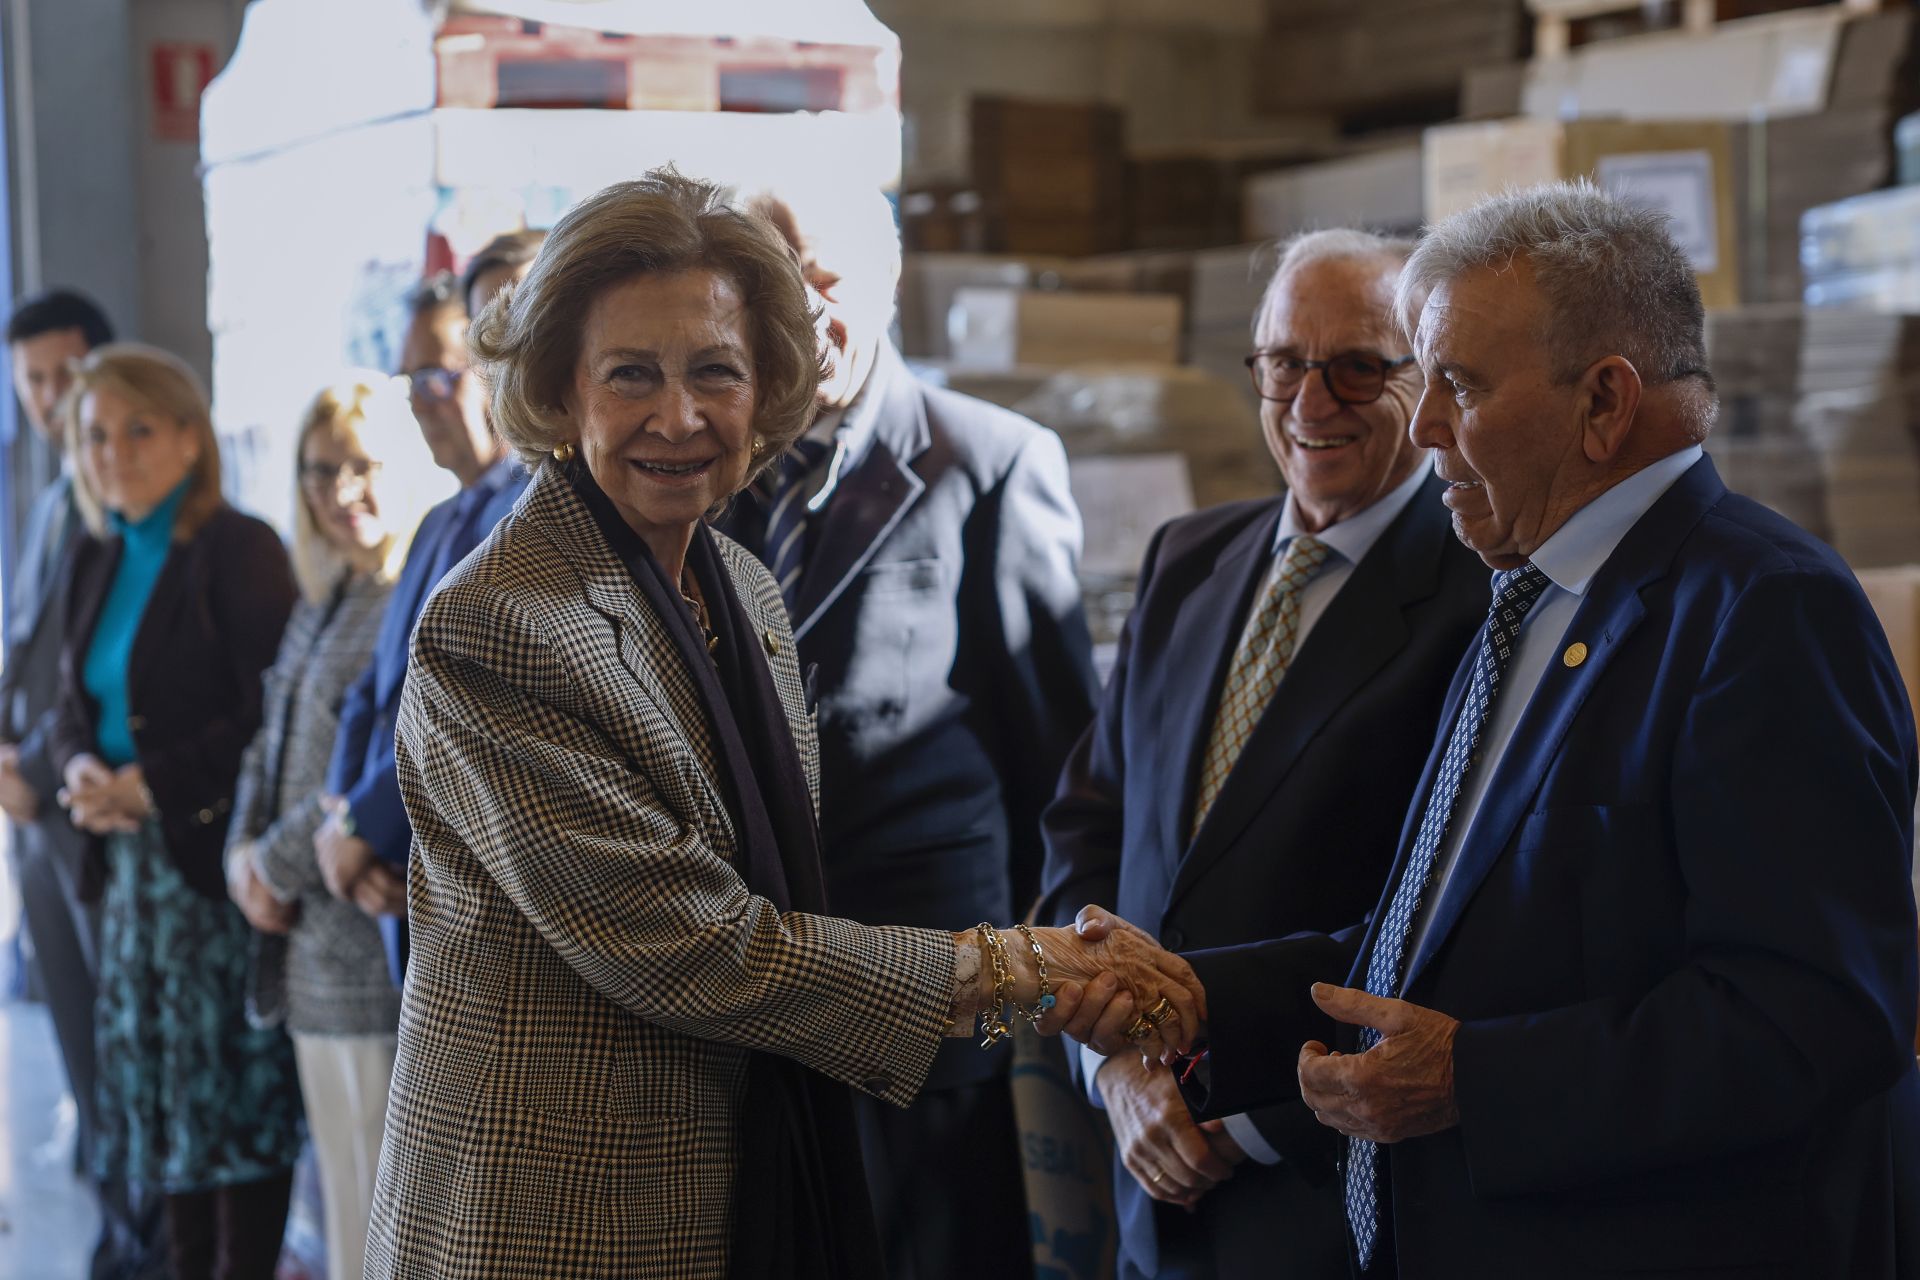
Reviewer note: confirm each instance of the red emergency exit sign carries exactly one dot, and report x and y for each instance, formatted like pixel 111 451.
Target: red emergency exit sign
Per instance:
pixel 180 73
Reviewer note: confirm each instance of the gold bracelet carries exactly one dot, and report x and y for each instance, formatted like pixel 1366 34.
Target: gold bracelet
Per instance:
pixel 1046 1000
pixel 994 1017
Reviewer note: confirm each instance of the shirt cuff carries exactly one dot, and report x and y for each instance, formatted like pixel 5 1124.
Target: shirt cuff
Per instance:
pixel 1244 1131
pixel 1090 1064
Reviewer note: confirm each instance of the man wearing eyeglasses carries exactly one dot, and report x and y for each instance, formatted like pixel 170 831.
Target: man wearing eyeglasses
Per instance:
pixel 1277 687
pixel 362 847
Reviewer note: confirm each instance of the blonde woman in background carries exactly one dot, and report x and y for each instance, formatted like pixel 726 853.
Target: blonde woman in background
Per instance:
pixel 176 603
pixel 319 965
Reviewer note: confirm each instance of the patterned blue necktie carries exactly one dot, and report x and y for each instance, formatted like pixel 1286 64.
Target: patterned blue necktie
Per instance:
pixel 1514 595
pixel 784 549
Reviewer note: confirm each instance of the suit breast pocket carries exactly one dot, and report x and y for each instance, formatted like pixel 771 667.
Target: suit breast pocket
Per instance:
pixel 1612 868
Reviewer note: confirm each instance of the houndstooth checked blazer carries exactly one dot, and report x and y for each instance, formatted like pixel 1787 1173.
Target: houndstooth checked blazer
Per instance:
pixel 588 970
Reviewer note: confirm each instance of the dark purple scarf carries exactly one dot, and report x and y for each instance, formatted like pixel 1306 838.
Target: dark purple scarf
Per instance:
pixel 800 1191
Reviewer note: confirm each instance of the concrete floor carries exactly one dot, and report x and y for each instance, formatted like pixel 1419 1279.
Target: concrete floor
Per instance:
pixel 47 1216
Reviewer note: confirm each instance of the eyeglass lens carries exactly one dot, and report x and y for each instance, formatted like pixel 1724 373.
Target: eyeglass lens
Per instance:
pixel 1353 378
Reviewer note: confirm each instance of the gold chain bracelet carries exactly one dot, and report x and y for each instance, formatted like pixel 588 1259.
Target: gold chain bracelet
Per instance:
pixel 1046 1000
pixel 994 1017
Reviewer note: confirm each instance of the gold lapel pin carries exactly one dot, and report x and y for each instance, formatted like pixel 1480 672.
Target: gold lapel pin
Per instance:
pixel 773 644
pixel 1575 655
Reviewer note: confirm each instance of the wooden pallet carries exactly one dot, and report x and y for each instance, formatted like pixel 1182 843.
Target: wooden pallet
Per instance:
pixel 487 62
pixel 1553 19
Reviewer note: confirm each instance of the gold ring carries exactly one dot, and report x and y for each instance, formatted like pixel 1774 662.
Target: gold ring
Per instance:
pixel 1139 1029
pixel 1162 1010
pixel 1155 1177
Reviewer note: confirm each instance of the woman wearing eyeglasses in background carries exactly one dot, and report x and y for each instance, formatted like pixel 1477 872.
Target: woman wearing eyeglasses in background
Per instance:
pixel 321 967
pixel 361 847
pixel 176 606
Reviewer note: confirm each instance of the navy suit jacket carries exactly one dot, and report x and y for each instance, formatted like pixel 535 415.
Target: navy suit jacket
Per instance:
pixel 1302 834
pixel 363 767
pixel 1679 936
pixel 939 616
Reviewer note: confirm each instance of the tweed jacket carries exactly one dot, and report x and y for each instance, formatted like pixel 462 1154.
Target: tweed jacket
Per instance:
pixel 336 966
pixel 589 972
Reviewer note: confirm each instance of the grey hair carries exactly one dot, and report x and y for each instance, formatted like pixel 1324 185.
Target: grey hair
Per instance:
pixel 1344 244
pixel 1614 281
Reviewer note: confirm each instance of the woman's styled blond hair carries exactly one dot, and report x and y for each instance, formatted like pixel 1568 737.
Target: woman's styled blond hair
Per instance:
pixel 527 340
pixel 155 382
pixel 367 411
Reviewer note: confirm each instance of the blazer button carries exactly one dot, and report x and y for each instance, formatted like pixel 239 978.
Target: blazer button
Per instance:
pixel 136 723
pixel 206 817
pixel 773 645
pixel 877 1085
pixel 1173 939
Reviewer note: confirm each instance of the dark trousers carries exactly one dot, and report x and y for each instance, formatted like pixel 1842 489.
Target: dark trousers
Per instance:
pixel 65 936
pixel 948 1191
pixel 1265 1222
pixel 232 1233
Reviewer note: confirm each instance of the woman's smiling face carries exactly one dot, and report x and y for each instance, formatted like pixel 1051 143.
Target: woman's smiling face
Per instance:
pixel 663 398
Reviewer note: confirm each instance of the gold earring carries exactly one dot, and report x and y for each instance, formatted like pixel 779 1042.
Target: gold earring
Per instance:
pixel 563 452
pixel 758 445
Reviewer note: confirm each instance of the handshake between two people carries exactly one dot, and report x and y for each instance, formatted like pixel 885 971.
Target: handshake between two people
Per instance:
pixel 1400 1088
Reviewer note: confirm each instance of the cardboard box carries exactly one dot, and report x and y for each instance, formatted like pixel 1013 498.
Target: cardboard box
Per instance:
pixel 1894 593
pixel 929 281
pixel 1386 53
pixel 1764 67
pixel 1007 328
pixel 1684 168
pixel 1379 190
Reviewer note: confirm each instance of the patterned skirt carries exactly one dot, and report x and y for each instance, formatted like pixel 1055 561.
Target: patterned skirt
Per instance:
pixel 190 1096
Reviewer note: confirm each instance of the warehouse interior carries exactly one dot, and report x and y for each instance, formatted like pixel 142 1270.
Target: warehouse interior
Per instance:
pixel 1091 199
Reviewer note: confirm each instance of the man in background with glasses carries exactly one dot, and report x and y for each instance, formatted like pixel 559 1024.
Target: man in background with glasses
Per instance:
pixel 1277 688
pixel 362 847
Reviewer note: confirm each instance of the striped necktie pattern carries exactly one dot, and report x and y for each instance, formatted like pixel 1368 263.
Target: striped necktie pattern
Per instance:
pixel 784 549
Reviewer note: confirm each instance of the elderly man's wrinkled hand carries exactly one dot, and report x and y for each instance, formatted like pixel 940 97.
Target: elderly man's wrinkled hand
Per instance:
pixel 1401 1088
pixel 1120 975
pixel 1159 1144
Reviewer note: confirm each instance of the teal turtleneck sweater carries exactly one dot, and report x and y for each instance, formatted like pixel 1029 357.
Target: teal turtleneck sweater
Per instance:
pixel 143 554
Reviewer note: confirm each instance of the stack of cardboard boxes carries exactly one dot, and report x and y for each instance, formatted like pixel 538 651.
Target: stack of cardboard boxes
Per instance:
pixel 1735 134
pixel 1820 419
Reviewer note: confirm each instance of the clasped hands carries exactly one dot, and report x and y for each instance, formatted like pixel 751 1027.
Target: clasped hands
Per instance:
pixel 102 800
pixel 352 870
pixel 1400 1088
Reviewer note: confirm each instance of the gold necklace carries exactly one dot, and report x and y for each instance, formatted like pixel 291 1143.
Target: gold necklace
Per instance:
pixel 699 615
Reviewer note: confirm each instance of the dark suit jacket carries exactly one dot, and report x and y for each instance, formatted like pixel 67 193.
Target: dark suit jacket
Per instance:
pixel 30 683
pixel 941 613
pixel 1680 937
pixel 363 768
pixel 1302 834
pixel 211 628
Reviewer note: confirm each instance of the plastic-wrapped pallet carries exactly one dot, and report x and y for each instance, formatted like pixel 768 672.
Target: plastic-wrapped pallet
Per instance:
pixel 1818 420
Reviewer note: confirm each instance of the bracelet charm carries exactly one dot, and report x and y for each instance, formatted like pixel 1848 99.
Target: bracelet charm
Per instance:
pixel 1046 999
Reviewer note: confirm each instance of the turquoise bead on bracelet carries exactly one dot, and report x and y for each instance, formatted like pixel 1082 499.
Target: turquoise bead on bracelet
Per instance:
pixel 1047 999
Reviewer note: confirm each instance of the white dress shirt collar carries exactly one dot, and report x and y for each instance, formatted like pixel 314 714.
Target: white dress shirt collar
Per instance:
pixel 1353 537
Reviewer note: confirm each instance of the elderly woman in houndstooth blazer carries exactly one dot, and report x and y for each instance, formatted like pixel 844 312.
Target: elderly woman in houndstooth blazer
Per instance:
pixel 628 1029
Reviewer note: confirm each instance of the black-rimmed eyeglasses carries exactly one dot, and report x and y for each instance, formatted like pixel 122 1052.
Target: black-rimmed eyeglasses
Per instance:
pixel 1352 377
